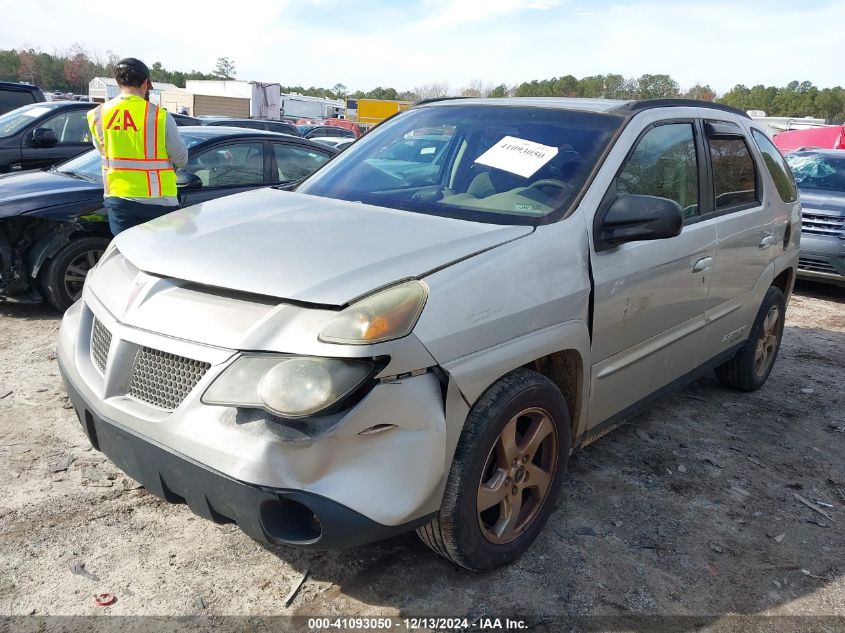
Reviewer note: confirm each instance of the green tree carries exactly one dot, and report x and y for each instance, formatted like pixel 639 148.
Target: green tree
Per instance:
pixel 616 87
pixel 830 104
pixel 738 97
pixel 225 68
pixel 593 87
pixel 701 93
pixel 9 64
pixel 656 87
pixel 762 98
pixel 499 91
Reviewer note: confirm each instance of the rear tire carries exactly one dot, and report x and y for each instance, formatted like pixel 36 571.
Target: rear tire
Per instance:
pixel 63 275
pixel 751 365
pixel 506 474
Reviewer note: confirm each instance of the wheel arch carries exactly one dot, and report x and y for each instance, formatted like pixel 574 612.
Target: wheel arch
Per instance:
pixel 565 368
pixel 54 241
pixel 784 280
pixel 560 352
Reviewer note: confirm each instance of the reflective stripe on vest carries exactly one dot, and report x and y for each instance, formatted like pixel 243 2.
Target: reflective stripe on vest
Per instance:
pixel 131 132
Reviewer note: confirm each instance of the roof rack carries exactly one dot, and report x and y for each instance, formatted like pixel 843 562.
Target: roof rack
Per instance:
pixel 647 104
pixel 436 99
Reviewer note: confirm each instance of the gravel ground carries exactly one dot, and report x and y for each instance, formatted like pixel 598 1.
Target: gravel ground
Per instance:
pixel 687 510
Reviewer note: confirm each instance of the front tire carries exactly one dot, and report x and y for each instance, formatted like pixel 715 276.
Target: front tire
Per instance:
pixel 64 275
pixel 752 364
pixel 506 474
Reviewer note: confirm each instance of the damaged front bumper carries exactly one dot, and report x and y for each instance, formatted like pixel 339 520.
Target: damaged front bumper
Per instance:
pixel 368 472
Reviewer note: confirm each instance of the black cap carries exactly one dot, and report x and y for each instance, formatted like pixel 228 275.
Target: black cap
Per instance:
pixel 134 64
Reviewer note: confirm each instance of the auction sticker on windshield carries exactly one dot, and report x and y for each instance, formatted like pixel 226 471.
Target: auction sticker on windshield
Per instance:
pixel 517 156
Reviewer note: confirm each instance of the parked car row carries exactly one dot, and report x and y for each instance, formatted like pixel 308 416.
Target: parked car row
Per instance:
pixel 44 134
pixel 306 131
pixel 53 227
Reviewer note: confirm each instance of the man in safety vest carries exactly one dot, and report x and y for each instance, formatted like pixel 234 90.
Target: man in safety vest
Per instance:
pixel 139 144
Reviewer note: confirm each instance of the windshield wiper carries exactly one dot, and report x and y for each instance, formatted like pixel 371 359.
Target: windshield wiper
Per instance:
pixel 288 185
pixel 76 174
pixel 72 174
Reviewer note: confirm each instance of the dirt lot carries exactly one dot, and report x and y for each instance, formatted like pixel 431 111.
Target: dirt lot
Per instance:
pixel 687 510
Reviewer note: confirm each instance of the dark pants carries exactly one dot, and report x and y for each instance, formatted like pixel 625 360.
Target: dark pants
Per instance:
pixel 124 214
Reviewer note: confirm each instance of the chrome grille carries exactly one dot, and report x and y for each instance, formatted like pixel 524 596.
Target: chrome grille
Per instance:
pixel 820 224
pixel 162 379
pixel 816 265
pixel 100 343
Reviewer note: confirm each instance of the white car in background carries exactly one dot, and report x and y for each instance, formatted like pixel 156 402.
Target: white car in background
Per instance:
pixel 334 141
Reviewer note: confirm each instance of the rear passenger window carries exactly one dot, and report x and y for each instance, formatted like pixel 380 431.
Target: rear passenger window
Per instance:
pixel 664 164
pixel 734 178
pixel 781 174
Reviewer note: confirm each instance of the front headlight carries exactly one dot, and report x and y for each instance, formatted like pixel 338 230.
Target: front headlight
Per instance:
pixel 384 316
pixel 292 386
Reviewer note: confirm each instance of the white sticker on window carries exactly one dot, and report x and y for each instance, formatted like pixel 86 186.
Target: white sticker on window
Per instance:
pixel 517 156
pixel 428 150
pixel 36 111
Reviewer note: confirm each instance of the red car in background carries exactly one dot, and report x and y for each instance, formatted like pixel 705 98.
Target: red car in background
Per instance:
pixel 827 137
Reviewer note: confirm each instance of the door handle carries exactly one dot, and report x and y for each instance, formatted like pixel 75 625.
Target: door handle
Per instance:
pixel 768 240
pixel 702 265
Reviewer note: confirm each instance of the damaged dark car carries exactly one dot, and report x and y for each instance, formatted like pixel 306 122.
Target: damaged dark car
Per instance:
pixel 53 227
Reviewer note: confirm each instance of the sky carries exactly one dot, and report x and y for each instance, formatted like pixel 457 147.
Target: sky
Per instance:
pixel 406 43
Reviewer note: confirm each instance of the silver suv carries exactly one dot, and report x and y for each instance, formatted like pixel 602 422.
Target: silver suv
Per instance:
pixel 419 340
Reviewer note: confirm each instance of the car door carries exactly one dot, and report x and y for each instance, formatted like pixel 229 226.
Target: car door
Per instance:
pixel 650 296
pixel 293 162
pixel 226 168
pixel 745 232
pixel 70 127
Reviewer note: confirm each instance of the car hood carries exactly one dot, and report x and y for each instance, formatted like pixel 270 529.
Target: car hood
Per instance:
pixel 27 191
pixel 829 201
pixel 301 247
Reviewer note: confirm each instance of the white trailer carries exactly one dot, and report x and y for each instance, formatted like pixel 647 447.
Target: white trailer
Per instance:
pixel 777 124
pixel 101 89
pixel 264 98
pixel 305 107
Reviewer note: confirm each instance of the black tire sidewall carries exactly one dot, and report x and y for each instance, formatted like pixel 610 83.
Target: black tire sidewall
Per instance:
pixel 747 374
pixel 52 278
pixel 524 389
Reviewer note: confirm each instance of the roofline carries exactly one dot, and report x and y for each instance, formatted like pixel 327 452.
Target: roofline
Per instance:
pixel 436 99
pixel 633 107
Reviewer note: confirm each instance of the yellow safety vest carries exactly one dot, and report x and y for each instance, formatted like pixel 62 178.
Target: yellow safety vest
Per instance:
pixel 131 133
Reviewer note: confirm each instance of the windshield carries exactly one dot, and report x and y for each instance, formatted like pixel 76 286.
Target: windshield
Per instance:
pixel 503 164
pixel 16 120
pixel 817 172
pixel 87 165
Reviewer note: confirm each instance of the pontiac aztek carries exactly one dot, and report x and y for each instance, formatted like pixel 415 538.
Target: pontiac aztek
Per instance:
pixel 419 340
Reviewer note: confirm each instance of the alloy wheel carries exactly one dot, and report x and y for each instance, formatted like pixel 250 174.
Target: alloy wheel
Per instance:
pixel 764 354
pixel 77 270
pixel 517 475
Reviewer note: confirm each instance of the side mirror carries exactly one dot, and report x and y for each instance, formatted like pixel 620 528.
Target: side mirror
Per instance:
pixel 43 137
pixel 187 180
pixel 632 218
